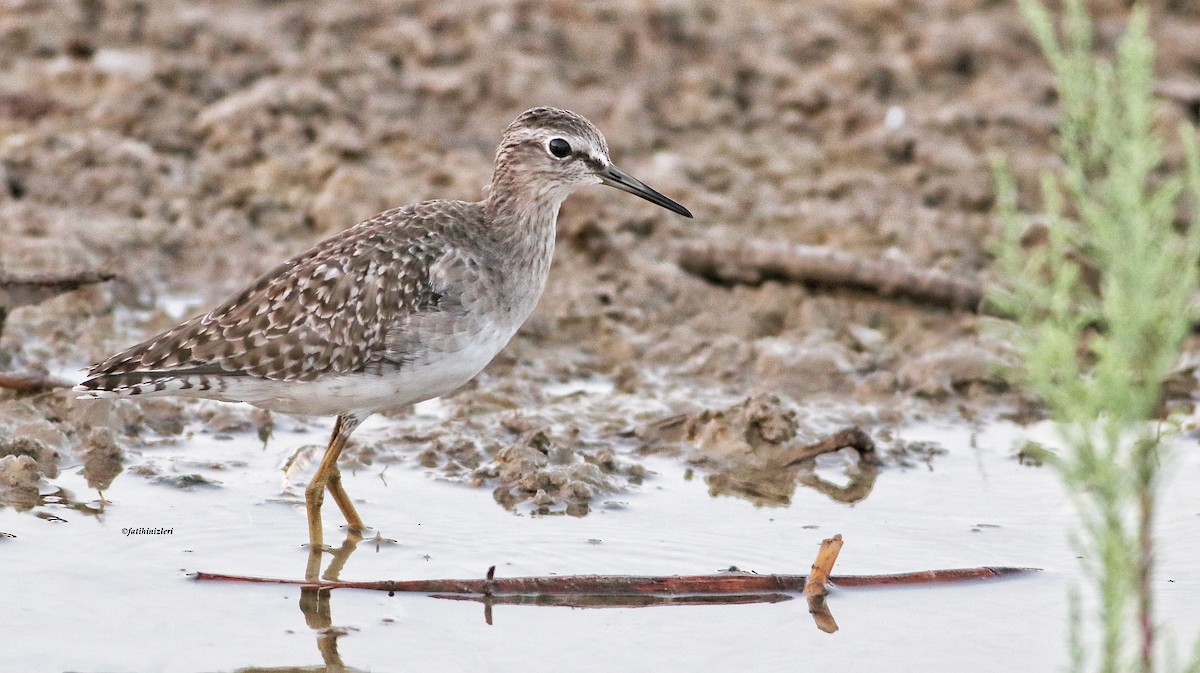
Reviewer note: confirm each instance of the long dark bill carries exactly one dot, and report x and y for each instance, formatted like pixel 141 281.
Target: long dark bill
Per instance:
pixel 615 177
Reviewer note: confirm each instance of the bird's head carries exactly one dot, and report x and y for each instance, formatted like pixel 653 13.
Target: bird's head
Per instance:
pixel 548 153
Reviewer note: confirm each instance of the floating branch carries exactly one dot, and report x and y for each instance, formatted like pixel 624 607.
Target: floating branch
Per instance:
pixel 753 262
pixel 629 585
pixel 601 591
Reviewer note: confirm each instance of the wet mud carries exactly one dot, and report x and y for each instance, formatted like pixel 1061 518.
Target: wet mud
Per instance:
pixel 188 147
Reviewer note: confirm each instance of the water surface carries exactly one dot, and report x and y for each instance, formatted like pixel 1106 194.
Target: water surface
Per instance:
pixel 80 595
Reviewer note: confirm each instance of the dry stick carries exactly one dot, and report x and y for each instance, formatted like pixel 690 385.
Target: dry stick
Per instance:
pixel 24 290
pixel 861 479
pixel 853 437
pixel 31 382
pixel 826 557
pixel 630 585
pixel 815 587
pixel 752 262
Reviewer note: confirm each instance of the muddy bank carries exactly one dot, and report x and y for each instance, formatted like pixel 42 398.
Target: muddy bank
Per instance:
pixel 188 148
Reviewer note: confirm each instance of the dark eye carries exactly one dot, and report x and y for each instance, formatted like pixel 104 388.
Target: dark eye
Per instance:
pixel 560 148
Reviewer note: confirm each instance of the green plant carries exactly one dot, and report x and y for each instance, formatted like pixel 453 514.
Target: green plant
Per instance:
pixel 1101 310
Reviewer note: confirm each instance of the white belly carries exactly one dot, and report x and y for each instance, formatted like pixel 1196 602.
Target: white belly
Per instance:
pixel 368 392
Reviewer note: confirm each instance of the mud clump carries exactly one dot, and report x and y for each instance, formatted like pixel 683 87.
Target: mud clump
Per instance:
pixel 20 480
pixel 186 481
pixel 45 457
pixel 103 458
pixel 756 426
pixel 556 479
pixel 961 369
pixel 172 144
pixel 164 416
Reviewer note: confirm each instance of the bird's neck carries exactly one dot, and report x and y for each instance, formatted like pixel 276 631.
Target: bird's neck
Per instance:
pixel 522 215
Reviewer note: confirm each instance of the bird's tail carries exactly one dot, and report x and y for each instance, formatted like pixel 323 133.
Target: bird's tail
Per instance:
pixel 109 386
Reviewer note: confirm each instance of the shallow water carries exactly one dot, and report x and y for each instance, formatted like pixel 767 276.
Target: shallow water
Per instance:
pixel 80 595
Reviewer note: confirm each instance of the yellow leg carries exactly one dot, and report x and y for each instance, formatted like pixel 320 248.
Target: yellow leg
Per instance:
pixel 353 520
pixel 328 476
pixel 314 496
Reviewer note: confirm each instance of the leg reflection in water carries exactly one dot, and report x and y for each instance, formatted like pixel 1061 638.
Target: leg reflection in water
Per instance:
pixel 314 602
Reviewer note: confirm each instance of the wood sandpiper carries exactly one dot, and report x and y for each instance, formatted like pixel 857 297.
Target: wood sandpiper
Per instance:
pixel 404 307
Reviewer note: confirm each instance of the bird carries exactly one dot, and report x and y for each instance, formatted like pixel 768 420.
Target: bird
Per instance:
pixel 404 307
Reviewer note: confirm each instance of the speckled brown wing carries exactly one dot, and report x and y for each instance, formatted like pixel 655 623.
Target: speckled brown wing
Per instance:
pixel 326 311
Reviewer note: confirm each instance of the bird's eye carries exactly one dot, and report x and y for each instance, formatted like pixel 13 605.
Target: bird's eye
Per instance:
pixel 559 148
